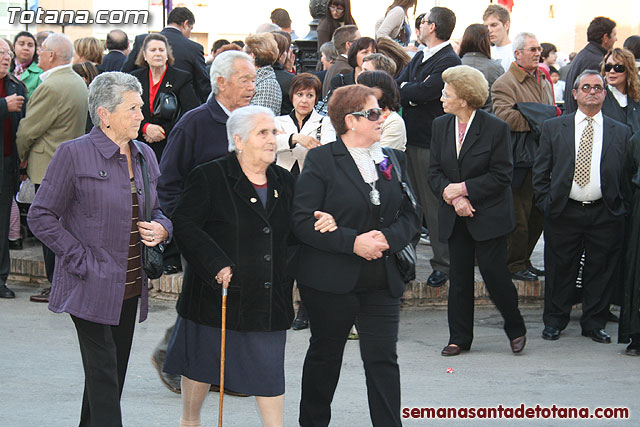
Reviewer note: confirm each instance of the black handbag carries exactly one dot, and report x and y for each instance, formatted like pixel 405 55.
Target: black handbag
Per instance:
pixel 407 257
pixel 152 260
pixel 166 107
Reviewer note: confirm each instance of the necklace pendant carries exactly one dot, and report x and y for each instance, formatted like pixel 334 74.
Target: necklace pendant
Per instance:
pixel 374 195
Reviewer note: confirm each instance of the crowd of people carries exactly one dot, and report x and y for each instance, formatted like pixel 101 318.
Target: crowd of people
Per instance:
pixel 262 179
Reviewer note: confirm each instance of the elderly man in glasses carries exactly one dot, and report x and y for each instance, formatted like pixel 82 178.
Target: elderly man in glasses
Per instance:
pixel 523 82
pixel 577 184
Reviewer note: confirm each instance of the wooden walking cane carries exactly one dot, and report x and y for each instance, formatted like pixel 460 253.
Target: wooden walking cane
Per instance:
pixel 223 333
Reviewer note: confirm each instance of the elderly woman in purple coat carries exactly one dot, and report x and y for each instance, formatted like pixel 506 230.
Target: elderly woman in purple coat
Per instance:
pixel 89 210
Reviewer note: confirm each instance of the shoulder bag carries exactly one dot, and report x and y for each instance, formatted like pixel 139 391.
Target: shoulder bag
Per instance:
pixel 166 107
pixel 152 261
pixel 407 257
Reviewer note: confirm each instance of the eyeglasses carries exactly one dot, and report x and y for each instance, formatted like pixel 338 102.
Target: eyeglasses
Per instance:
pixel 444 95
pixel 426 21
pixel 537 49
pixel 372 115
pixel 587 88
pixel 6 52
pixel 333 8
pixel 618 68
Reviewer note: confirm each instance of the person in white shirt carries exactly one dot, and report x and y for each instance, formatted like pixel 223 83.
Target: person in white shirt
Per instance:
pixel 498 20
pixel 303 129
pixel 558 86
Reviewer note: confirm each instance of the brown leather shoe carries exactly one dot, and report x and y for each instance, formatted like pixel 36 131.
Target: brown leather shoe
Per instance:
pixel 451 350
pixel 42 296
pixel 517 345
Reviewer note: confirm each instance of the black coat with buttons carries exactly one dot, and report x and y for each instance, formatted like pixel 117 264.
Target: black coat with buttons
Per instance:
pixel 219 222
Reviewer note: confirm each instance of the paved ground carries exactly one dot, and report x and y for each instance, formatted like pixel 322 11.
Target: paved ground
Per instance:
pixel 41 377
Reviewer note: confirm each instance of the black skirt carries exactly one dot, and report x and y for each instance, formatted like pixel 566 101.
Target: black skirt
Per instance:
pixel 254 361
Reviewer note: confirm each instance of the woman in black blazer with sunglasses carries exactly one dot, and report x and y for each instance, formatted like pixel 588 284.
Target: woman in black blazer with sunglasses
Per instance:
pixel 350 275
pixel 159 76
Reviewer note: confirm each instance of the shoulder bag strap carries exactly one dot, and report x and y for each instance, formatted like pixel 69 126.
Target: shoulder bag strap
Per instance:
pixel 405 188
pixel 145 180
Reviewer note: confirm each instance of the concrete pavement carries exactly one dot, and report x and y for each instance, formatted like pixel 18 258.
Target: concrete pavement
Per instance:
pixel 41 375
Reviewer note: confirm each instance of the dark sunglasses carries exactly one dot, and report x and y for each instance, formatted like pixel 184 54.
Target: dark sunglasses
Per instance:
pixel 618 68
pixel 372 114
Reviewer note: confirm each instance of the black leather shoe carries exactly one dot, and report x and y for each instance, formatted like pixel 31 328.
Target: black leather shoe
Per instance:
pixel 437 279
pixel 172 269
pixel 550 333
pixel 633 349
pixel 6 292
pixel 598 335
pixel 524 275
pixel 299 324
pixel 536 271
pixel 15 245
pixel 611 317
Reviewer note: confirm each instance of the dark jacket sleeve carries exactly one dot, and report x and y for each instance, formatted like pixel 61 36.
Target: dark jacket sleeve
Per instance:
pixel 438 180
pixel 541 173
pixel 201 81
pixel 175 166
pixel 190 216
pixel 406 225
pixel 311 189
pixel 498 176
pixel 129 64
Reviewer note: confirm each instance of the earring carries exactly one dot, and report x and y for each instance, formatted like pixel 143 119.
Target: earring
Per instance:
pixel 353 129
pixel 108 126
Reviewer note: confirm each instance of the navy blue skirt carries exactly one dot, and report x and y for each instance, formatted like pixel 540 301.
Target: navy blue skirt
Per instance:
pixel 254 361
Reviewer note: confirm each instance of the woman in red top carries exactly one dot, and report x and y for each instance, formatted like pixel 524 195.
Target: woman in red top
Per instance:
pixel 159 76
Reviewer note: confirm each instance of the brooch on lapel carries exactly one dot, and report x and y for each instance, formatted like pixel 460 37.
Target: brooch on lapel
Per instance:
pixel 275 193
pixel 168 85
pixel 385 168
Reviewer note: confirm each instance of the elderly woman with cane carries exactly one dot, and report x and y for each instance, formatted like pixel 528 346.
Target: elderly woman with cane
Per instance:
pixel 233 227
pixel 87 212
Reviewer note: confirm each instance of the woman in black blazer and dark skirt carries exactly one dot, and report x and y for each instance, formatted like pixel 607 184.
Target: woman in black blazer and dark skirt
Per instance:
pixel 350 275
pixel 159 76
pixel 471 169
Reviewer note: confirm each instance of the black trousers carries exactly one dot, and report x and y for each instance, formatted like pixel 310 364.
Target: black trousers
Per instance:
pixel 376 315
pixel 105 354
pixel 7 191
pixel 492 262
pixel 48 254
pixel 593 230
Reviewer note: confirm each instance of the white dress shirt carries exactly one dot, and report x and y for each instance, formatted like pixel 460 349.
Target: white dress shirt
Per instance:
pixel 430 51
pixel 592 190
pixel 619 96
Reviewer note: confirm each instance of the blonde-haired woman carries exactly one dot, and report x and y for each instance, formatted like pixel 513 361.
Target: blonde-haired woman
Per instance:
pixel 264 51
pixel 471 169
pixel 87 49
pixel 623 88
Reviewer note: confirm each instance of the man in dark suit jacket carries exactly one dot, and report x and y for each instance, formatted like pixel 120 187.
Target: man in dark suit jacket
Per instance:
pixel 420 89
pixel 601 36
pixel 189 55
pixel 342 40
pixel 118 45
pixel 576 180
pixel 12 110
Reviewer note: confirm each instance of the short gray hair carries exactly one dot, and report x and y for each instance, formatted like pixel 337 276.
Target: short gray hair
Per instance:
pixel 576 82
pixel 62 45
pixel 242 121
pixel 107 91
pixel 521 40
pixel 222 66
